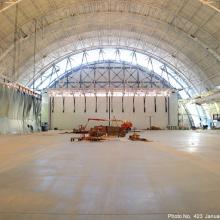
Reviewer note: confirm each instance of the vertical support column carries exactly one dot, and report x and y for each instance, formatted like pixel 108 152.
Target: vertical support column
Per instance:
pixel 63 104
pixel 138 78
pixel 94 78
pixel 84 103
pixel 74 104
pixel 49 122
pixel 165 98
pixel 179 121
pixel 67 81
pixel 107 102
pixel 96 104
pixel 15 43
pixel 67 77
pixel 51 110
pixel 109 76
pixel 35 45
pixel 155 104
pixel 168 109
pixel 122 103
pixel 52 105
pixel 109 110
pixel 151 72
pixel 112 102
pixel 123 67
pixel 80 79
pixel 134 103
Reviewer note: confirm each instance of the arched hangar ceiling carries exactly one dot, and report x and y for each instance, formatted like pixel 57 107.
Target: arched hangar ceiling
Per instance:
pixel 185 33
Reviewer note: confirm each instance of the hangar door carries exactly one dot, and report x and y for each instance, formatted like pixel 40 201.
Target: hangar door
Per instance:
pixel 142 111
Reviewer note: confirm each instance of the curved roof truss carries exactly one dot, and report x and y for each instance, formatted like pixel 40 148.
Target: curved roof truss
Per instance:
pixel 156 67
pixel 185 31
pixel 109 75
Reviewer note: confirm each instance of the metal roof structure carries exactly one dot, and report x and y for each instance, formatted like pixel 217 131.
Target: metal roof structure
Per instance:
pixel 112 68
pixel 184 33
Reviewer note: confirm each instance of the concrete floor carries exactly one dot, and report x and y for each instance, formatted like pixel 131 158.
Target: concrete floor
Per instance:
pixel 46 177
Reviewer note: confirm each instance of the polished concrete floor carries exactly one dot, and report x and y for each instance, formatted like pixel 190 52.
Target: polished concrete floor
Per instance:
pixel 46 177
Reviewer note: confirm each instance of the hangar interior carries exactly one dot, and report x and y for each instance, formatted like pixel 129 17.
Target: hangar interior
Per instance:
pixel 67 65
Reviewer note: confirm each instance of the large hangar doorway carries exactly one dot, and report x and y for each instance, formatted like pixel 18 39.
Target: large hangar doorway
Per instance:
pixel 143 110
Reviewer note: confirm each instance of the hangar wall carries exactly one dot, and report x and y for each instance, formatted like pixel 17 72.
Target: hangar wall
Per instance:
pixel 18 110
pixel 158 111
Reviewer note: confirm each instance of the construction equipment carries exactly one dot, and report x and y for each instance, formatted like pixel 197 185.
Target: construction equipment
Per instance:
pixel 127 125
pixel 115 130
pixel 81 130
pixel 136 137
pixel 100 132
pixel 124 124
pixel 86 138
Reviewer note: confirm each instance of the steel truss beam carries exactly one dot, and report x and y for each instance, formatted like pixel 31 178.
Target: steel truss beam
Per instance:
pixel 177 76
pixel 109 74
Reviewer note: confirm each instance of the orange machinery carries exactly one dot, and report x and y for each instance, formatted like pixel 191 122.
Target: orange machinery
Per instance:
pixel 127 125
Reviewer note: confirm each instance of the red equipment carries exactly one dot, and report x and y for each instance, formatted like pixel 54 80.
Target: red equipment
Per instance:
pixel 125 124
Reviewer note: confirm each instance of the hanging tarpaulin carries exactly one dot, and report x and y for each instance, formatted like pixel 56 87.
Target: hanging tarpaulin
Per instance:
pixel 37 107
pixel 25 106
pixel 3 101
pixel 15 109
pixel 29 106
pixel 20 101
pixel 14 102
